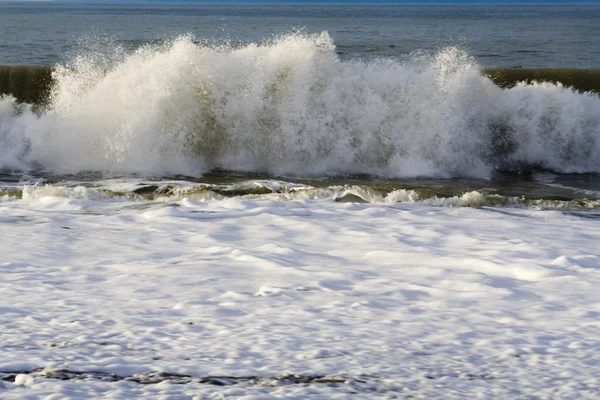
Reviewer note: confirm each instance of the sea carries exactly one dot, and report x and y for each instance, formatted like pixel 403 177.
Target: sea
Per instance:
pixel 351 102
pixel 299 201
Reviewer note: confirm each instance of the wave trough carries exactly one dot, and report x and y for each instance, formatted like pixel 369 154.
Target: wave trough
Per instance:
pixel 292 107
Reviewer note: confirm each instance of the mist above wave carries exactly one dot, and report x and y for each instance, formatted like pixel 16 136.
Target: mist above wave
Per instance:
pixel 292 107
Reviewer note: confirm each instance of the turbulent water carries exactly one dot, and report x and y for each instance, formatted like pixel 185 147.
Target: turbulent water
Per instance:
pixel 292 107
pixel 299 115
pixel 288 216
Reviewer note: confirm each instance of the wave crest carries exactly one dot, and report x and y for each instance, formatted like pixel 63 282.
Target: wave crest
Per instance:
pixel 292 107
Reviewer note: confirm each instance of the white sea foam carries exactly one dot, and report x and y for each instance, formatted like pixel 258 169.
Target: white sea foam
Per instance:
pixel 35 192
pixel 476 303
pixel 291 106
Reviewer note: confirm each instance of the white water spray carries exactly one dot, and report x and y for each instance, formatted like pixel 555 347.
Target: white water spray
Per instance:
pixel 292 107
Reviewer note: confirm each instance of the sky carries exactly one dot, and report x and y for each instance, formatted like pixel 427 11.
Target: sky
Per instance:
pixel 311 1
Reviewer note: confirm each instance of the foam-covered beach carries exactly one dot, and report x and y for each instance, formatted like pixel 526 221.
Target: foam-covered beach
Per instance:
pixel 245 297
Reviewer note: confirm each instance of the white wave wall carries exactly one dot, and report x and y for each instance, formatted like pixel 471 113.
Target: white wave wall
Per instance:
pixel 292 107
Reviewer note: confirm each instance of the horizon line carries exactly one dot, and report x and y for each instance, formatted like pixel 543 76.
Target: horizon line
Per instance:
pixel 313 1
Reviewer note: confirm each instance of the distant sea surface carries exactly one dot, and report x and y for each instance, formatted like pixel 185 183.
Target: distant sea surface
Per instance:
pixel 502 35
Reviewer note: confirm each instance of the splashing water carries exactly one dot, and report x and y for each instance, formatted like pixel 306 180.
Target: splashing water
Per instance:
pixel 292 107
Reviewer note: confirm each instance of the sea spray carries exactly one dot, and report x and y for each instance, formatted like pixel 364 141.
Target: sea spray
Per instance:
pixel 292 107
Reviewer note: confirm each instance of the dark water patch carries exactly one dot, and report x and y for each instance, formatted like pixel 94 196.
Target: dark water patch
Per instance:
pixel 583 80
pixel 28 84
pixel 362 383
pixel 10 192
pixel 583 182
pixel 10 177
pixel 154 377
pixel 469 377
pixel 242 191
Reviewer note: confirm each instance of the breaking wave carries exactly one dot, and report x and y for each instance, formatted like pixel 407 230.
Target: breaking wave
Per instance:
pixel 286 191
pixel 292 107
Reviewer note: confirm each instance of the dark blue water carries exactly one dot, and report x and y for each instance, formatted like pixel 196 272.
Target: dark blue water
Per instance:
pixel 527 35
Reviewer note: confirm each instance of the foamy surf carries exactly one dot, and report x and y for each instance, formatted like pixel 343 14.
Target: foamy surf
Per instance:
pixel 292 107
pixel 172 193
